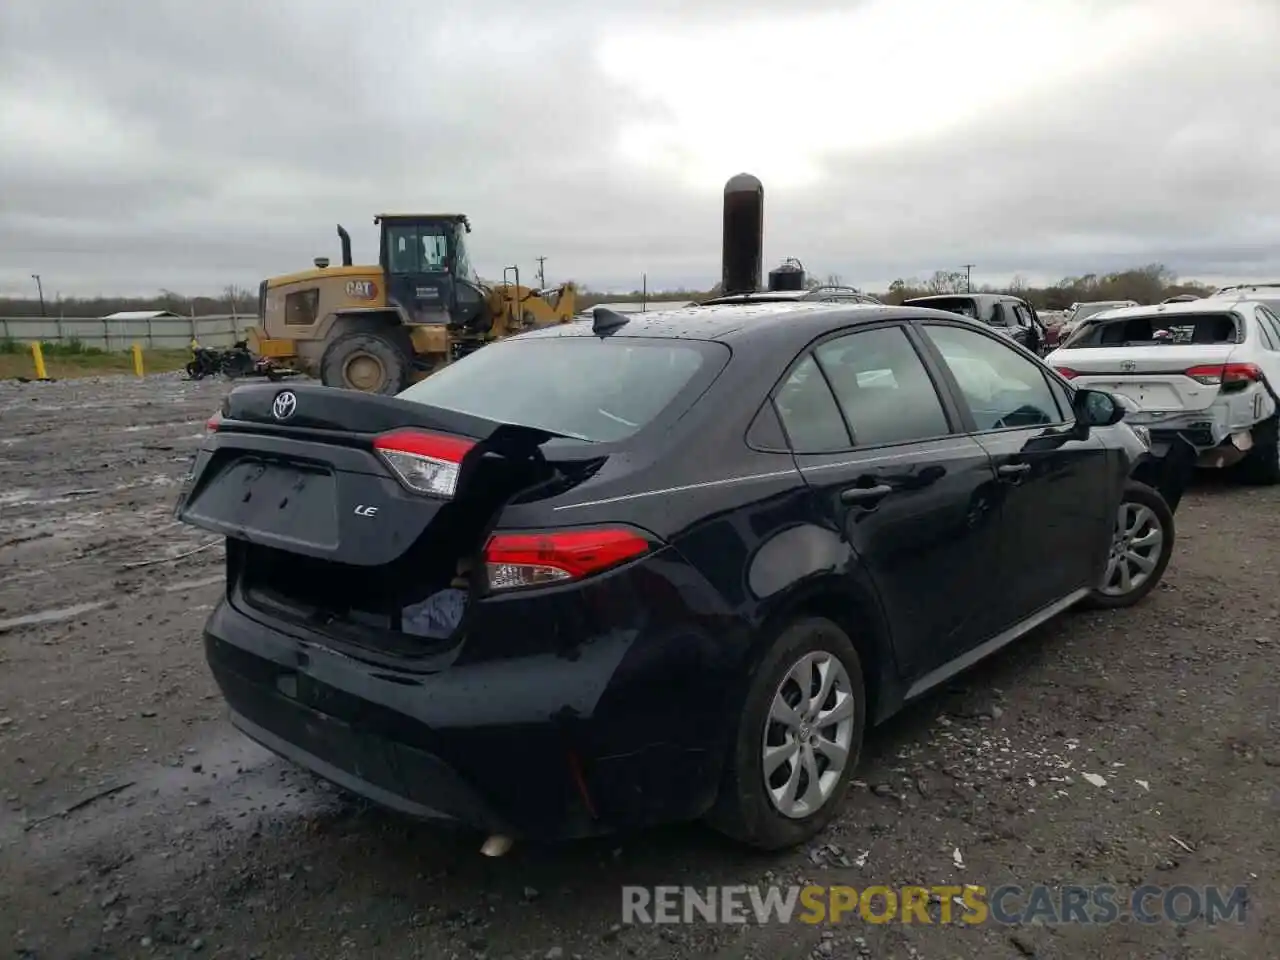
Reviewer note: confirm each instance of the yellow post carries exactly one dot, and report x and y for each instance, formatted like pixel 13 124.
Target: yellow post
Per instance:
pixel 137 359
pixel 37 356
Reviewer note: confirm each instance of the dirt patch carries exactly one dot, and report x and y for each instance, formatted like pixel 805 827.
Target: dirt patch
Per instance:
pixel 1123 749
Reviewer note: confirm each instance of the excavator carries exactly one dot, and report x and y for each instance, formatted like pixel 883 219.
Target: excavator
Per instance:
pixel 380 327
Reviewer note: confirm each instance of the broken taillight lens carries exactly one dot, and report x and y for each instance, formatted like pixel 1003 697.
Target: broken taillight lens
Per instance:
pixel 542 559
pixel 424 462
pixel 1229 376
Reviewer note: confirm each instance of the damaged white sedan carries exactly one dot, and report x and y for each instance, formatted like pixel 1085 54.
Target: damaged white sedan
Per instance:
pixel 1206 371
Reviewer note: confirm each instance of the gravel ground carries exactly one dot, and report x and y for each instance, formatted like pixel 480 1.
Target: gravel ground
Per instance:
pixel 1126 748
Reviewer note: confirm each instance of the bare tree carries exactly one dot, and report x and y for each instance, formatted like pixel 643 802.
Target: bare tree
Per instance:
pixel 946 281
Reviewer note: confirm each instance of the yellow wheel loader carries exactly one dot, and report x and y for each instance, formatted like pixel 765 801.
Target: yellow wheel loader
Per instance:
pixel 379 328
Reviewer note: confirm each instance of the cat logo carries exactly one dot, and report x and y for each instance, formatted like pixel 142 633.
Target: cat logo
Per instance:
pixel 362 289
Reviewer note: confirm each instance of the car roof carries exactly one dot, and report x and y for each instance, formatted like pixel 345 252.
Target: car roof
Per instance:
pixel 1205 305
pixel 1233 287
pixel 783 325
pixel 1261 292
pixel 977 297
pixel 785 296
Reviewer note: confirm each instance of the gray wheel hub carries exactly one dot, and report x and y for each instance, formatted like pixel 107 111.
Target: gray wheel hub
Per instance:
pixel 1136 545
pixel 808 735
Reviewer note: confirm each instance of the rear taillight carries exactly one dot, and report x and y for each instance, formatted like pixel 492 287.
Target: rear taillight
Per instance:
pixel 1068 372
pixel 424 462
pixel 212 424
pixel 1228 376
pixel 540 559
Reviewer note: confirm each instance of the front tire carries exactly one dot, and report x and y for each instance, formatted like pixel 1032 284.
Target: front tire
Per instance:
pixel 798 739
pixel 368 361
pixel 1141 544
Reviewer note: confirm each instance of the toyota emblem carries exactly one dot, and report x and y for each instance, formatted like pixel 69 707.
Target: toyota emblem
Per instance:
pixel 285 403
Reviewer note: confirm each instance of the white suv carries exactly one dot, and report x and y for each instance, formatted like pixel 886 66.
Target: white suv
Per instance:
pixel 1207 371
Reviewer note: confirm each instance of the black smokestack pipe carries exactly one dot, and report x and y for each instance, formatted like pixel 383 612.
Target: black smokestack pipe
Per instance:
pixel 346 245
pixel 742 259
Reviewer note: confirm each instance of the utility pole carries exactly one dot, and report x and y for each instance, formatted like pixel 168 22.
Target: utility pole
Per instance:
pixel 644 293
pixel 542 276
pixel 968 286
pixel 40 291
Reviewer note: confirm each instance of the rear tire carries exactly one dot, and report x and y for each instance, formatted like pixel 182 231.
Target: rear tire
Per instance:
pixel 372 362
pixel 790 805
pixel 1141 545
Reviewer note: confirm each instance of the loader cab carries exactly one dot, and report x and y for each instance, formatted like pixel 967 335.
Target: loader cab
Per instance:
pixel 427 269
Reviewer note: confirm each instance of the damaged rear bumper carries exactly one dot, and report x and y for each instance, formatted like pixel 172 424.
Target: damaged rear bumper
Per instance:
pixel 503 747
pixel 1222 434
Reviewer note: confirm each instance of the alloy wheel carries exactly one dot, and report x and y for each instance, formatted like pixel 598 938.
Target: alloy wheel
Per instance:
pixel 1135 549
pixel 808 735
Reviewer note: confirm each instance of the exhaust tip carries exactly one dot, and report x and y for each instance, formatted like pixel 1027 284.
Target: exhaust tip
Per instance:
pixel 496 846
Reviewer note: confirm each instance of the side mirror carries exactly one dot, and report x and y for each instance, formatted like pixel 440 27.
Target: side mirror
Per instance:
pixel 1096 408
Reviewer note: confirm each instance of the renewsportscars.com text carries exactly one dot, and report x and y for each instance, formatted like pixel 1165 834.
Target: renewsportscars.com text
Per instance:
pixel 944 904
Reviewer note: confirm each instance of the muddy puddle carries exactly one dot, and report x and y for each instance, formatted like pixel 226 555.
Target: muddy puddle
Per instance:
pixel 228 781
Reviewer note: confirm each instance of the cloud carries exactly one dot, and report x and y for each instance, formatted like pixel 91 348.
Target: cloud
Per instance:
pixel 160 144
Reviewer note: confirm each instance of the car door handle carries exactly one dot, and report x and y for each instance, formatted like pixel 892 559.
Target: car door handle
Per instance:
pixel 1013 469
pixel 865 494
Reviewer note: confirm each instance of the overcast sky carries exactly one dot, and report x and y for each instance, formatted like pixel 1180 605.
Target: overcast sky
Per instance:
pixel 170 143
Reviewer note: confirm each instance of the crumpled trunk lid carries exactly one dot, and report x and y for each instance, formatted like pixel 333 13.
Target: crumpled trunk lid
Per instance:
pixel 322 530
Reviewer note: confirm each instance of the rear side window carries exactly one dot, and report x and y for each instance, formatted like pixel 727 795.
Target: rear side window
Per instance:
pixel 599 389
pixel 883 387
pixel 1269 340
pixel 300 308
pixel 1157 329
pixel 809 412
pixel 1270 323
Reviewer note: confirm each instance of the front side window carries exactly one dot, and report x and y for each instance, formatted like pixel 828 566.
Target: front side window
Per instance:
pixel 1002 387
pixel 462 258
pixel 883 388
pixel 402 250
pixel 435 252
pixel 418 248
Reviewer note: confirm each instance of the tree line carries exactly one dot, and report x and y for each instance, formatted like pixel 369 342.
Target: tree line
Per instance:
pixel 1148 284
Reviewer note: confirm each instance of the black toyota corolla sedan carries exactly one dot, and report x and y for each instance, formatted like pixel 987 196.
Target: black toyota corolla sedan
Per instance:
pixel 660 567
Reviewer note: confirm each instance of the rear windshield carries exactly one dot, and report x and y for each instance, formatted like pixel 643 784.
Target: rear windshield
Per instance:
pixel 1156 330
pixel 961 305
pixel 590 388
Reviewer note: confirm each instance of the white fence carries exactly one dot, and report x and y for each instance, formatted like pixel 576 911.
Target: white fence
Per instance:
pixel 163 333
